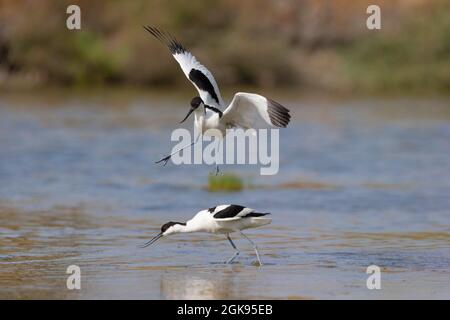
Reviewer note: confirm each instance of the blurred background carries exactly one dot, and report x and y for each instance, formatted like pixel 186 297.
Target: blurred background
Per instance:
pixel 297 44
pixel 364 164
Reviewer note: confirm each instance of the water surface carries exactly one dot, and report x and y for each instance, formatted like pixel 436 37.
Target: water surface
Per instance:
pixel 361 182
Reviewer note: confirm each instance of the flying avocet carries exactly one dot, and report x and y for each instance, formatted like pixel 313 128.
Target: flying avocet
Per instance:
pixel 246 110
pixel 223 219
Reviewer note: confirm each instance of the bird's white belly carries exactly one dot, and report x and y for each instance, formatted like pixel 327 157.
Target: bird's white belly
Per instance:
pixel 241 224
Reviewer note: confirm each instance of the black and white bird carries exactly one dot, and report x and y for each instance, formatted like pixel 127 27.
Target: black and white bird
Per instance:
pixel 246 110
pixel 223 219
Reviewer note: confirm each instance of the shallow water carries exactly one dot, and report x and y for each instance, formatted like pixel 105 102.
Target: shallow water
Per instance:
pixel 361 182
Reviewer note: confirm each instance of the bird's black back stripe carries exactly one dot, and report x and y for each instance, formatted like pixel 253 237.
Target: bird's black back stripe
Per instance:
pixel 229 212
pixel 172 43
pixel 215 110
pixel 279 115
pixel 211 210
pixel 203 83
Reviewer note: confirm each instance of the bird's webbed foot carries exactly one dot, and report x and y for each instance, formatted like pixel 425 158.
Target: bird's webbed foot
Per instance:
pixel 164 160
pixel 215 172
pixel 230 261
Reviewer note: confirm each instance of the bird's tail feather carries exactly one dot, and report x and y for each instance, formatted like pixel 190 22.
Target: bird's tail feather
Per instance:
pixel 257 214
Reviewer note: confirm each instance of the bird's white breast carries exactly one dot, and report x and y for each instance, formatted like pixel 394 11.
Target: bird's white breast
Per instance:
pixel 210 125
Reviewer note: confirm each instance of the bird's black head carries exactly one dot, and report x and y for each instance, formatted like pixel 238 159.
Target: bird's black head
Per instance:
pixel 169 224
pixel 195 103
pixel 166 229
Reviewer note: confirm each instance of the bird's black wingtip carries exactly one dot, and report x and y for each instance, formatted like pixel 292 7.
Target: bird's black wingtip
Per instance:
pixel 155 32
pixel 278 114
pixel 174 46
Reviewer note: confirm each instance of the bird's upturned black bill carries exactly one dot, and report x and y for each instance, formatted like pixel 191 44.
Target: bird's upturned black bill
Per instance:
pixel 151 241
pixel 187 116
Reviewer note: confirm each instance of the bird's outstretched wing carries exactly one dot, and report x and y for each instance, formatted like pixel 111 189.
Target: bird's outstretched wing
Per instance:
pixel 197 73
pixel 250 110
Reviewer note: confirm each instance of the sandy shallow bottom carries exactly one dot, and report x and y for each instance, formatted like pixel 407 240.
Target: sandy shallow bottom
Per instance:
pixel 319 266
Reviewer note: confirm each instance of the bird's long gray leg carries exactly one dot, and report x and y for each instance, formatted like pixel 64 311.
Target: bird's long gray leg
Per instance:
pixel 255 247
pixel 221 144
pixel 216 172
pixel 217 169
pixel 167 158
pixel 234 247
pixel 217 166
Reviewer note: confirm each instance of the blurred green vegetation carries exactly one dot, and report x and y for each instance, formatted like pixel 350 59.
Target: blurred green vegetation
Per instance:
pixel 228 182
pixel 292 44
pixel 414 58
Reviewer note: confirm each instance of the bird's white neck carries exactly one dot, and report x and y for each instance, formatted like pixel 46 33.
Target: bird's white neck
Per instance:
pixel 190 226
pixel 199 114
pixel 199 121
